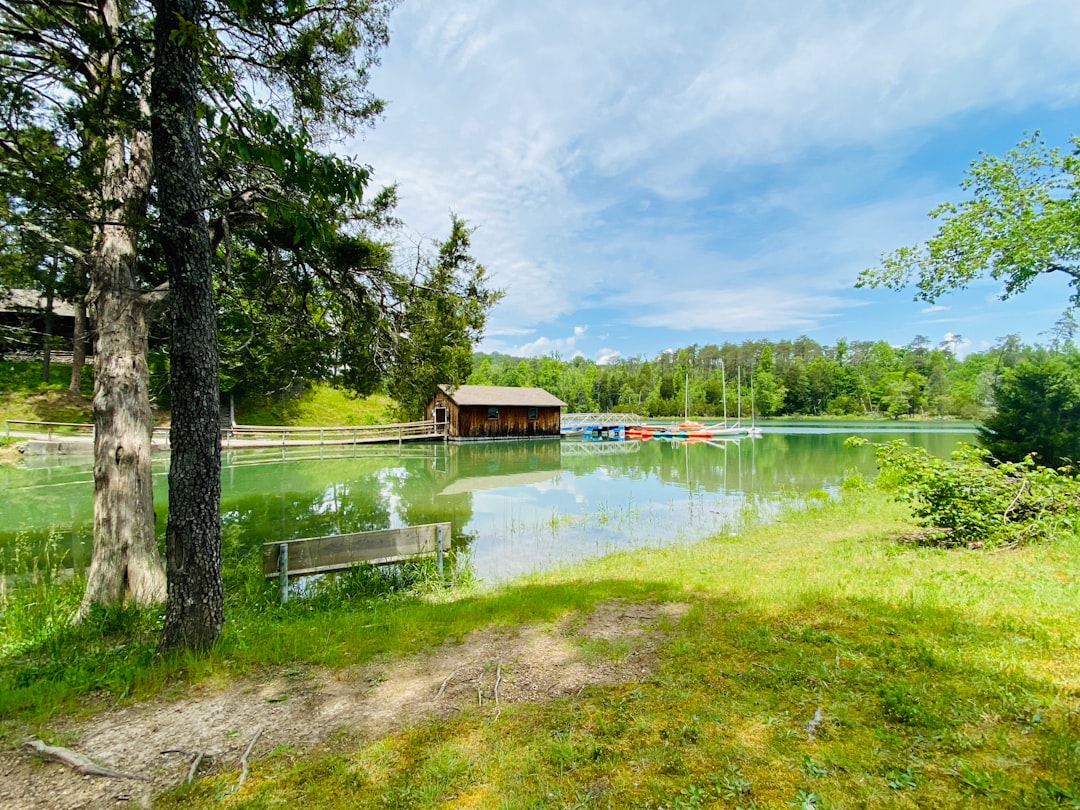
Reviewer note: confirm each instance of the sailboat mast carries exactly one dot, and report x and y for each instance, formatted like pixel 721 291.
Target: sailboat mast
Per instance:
pixel 753 411
pixel 738 418
pixel 723 389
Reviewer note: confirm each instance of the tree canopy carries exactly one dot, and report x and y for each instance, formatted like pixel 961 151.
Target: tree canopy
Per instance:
pixel 1022 219
pixel 277 84
pixel 1037 411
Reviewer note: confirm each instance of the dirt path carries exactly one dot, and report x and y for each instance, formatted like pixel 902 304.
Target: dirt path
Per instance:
pixel 304 706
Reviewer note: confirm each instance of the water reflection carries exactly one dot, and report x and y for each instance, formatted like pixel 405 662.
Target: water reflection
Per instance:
pixel 514 506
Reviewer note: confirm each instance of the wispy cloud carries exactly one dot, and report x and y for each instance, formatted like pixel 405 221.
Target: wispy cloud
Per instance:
pixel 751 156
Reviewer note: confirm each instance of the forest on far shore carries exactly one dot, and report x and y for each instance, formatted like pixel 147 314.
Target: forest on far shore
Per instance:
pixel 786 378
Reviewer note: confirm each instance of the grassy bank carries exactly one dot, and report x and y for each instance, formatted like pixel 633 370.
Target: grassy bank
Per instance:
pixel 320 405
pixel 25 396
pixel 819 662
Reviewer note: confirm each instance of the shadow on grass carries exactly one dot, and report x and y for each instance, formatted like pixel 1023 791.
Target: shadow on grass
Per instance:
pixel 832 703
pixel 835 703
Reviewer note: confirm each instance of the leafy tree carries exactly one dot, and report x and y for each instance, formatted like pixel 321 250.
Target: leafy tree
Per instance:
pixel 1020 222
pixel 82 71
pixel 44 247
pixel 902 393
pixel 482 374
pixel 1063 332
pixel 442 324
pixel 796 384
pixel 1037 412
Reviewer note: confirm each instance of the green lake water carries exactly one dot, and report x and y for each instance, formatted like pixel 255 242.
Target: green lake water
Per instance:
pixel 514 506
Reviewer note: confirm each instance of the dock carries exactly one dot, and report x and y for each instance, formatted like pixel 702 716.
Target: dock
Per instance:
pixel 598 424
pixel 65 438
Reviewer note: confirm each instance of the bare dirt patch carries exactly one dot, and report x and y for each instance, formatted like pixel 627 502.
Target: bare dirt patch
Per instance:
pixel 487 669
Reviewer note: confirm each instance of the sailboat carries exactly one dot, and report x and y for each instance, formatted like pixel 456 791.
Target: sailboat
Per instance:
pixel 724 429
pixel 688 430
pixel 753 431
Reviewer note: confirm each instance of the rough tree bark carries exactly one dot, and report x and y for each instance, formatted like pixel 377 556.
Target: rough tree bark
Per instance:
pixel 126 565
pixel 194 610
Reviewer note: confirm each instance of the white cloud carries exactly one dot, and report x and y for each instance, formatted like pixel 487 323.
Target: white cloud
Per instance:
pixel 565 347
pixel 613 151
pixel 934 308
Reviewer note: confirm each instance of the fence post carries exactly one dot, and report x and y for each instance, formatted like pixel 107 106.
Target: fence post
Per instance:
pixel 439 550
pixel 283 571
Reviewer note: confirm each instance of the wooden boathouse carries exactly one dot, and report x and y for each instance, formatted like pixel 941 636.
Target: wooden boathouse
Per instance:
pixel 474 412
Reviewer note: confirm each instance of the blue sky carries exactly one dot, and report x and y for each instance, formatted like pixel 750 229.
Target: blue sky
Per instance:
pixel 649 175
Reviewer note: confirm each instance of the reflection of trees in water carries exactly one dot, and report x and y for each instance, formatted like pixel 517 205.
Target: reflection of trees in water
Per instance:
pixel 443 490
pixel 265 500
pixel 296 506
pixel 380 490
pixel 55 511
pixel 772 463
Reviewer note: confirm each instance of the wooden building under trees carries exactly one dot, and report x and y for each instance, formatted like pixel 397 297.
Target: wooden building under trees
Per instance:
pixel 25 320
pixel 472 412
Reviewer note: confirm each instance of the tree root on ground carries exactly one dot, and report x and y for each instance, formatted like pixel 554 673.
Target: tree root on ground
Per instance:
pixel 78 762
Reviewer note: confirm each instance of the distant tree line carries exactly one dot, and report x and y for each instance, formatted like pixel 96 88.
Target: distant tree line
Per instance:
pixel 779 378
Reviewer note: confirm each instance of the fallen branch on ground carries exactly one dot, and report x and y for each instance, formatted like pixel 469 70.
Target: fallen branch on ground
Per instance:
pixel 244 760
pixel 78 762
pixel 442 688
pixel 195 763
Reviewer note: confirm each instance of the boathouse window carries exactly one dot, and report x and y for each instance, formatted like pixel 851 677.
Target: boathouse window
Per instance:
pixel 493 412
pixel 534 414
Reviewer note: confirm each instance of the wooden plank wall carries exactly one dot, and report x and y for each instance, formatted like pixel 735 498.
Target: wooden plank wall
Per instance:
pixel 472 422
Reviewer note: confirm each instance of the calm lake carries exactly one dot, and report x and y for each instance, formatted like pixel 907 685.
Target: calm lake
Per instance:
pixel 515 506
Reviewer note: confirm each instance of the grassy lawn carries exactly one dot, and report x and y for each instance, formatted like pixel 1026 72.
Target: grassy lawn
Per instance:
pixel 319 406
pixel 819 663
pixel 25 396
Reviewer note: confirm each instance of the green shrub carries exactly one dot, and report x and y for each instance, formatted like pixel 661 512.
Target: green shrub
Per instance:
pixel 974 499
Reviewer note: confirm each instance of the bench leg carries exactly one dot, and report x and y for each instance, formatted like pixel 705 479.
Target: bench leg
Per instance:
pixel 439 550
pixel 283 571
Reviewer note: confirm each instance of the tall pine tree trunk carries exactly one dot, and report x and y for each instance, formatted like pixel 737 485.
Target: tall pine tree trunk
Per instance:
pixel 126 565
pixel 194 611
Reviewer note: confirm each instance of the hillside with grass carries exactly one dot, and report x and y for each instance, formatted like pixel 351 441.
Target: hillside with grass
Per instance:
pixel 25 396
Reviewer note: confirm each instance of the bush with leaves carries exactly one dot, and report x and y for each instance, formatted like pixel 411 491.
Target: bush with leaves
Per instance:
pixel 973 499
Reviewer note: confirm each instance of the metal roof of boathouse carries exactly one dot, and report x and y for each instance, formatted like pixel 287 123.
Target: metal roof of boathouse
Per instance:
pixel 506 396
